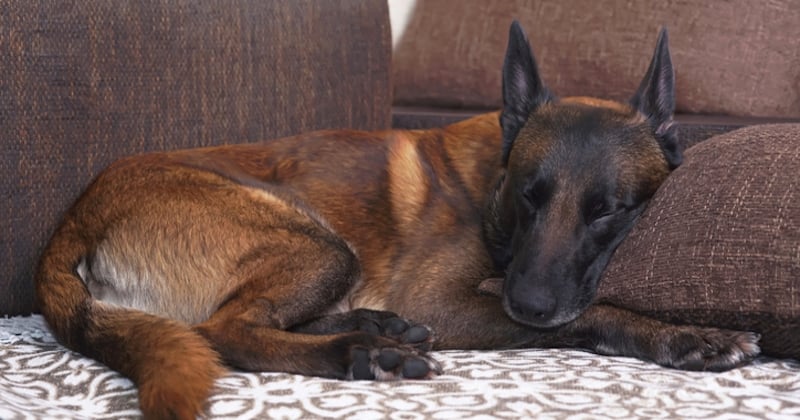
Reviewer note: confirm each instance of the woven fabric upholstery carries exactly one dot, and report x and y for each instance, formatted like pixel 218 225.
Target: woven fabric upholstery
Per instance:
pixel 733 57
pixel 87 81
pixel 720 242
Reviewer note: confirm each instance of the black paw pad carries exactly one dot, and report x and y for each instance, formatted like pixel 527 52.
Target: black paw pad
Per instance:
pixel 389 359
pixel 361 365
pixel 416 334
pixel 415 368
pixel 395 326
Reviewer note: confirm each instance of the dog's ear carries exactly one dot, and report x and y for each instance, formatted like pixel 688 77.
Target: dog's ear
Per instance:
pixel 523 90
pixel 655 99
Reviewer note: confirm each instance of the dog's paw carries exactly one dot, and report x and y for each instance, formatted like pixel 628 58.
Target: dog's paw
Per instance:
pixel 374 323
pixel 711 349
pixel 406 332
pixel 391 363
pixel 390 325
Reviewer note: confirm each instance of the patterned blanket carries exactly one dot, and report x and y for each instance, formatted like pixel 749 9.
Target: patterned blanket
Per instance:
pixel 41 379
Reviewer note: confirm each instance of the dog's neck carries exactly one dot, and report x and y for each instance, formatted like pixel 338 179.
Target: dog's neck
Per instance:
pixel 466 143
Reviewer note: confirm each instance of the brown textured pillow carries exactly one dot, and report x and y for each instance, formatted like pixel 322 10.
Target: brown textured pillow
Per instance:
pixel 719 244
pixel 736 57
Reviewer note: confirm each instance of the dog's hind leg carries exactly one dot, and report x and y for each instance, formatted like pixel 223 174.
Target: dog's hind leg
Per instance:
pixel 250 330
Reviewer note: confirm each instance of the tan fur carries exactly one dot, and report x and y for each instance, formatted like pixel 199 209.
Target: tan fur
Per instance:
pixel 407 182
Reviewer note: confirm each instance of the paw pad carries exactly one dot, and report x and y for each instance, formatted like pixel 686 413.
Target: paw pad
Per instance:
pixel 390 363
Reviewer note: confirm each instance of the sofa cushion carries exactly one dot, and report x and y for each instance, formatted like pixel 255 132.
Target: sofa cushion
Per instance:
pixel 719 244
pixel 731 57
pixel 40 379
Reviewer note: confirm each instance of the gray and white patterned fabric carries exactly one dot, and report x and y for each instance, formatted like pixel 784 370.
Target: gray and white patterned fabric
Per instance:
pixel 39 379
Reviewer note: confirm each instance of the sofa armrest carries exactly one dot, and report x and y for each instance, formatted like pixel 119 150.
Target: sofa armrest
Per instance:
pixel 87 81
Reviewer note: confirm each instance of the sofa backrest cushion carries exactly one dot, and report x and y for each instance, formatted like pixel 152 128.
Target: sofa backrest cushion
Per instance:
pixel 732 57
pixel 83 82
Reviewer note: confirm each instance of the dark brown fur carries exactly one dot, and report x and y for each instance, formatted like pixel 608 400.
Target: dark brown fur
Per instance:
pixel 294 255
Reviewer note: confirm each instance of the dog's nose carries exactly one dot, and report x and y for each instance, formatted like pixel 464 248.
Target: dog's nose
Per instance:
pixel 534 304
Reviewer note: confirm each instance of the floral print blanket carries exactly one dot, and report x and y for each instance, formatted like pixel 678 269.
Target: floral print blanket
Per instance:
pixel 39 379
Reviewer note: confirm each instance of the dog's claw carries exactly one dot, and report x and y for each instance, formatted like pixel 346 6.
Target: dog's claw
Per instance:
pixel 710 349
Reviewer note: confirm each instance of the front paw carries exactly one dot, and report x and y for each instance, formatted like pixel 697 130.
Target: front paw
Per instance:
pixel 711 349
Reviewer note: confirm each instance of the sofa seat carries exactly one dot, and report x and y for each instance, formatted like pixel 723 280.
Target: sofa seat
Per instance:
pixel 41 379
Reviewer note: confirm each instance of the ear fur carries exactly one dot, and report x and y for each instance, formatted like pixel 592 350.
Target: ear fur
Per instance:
pixel 655 99
pixel 523 90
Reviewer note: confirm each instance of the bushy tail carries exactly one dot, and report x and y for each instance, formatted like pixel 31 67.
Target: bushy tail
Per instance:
pixel 173 366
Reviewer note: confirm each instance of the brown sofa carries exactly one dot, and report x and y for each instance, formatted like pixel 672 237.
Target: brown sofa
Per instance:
pixel 86 81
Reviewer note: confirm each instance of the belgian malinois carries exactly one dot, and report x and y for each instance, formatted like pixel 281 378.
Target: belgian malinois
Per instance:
pixel 295 254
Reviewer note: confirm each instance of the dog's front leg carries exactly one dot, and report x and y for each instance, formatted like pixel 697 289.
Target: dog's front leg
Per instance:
pixel 613 331
pixel 465 319
pixel 471 320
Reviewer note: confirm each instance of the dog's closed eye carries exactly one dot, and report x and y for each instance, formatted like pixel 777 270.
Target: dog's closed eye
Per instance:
pixel 598 211
pixel 536 193
pixel 603 219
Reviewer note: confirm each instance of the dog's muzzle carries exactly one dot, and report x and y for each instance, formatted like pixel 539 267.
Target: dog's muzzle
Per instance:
pixel 534 305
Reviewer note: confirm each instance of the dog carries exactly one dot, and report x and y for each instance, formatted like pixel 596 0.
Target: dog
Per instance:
pixel 308 254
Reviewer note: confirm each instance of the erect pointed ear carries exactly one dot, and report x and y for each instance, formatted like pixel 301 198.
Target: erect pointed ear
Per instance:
pixel 655 99
pixel 523 90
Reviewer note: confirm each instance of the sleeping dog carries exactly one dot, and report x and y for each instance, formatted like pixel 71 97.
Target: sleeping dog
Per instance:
pixel 309 254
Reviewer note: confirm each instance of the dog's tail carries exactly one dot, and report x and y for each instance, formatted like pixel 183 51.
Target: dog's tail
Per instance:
pixel 173 366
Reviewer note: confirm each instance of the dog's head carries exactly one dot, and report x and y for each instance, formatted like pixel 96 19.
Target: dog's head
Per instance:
pixel 578 172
